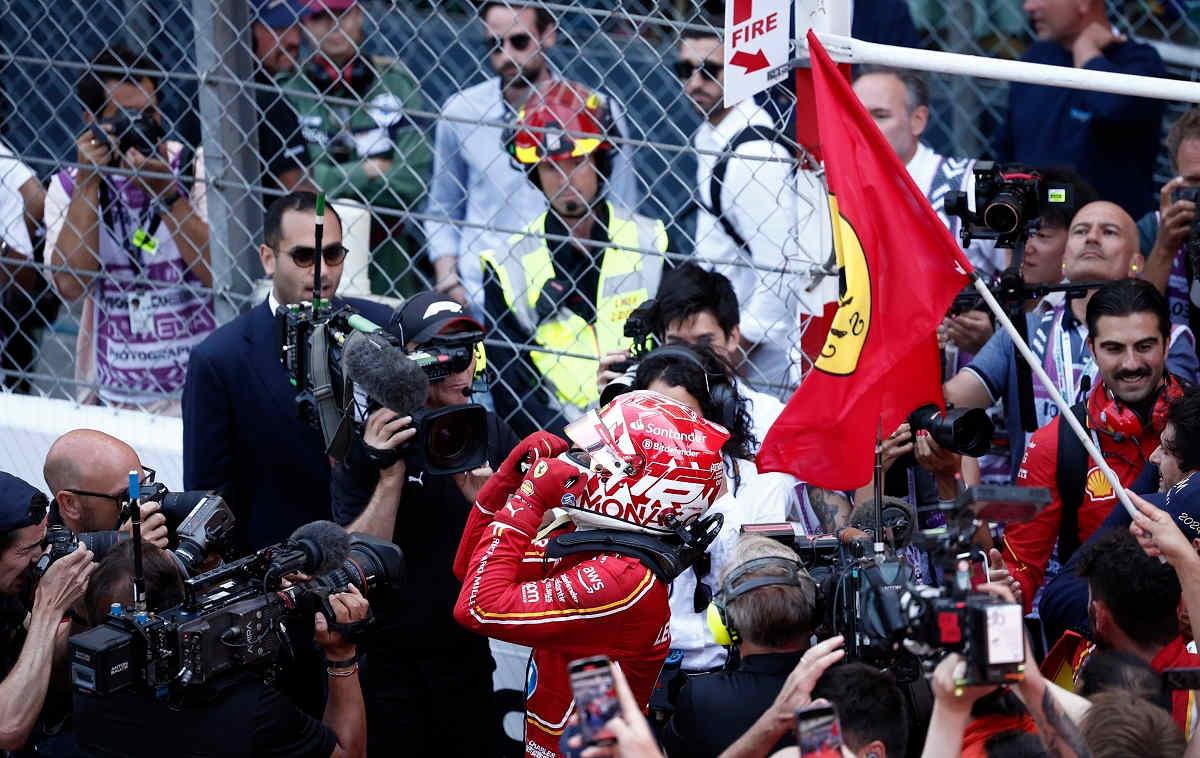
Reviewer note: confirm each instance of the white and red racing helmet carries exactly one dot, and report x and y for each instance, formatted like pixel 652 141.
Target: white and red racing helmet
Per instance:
pixel 651 458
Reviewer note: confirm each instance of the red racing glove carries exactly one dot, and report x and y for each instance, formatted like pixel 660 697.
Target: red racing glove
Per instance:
pixel 507 478
pixel 551 483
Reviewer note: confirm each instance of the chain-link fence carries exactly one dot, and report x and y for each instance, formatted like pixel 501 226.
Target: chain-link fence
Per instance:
pixel 143 229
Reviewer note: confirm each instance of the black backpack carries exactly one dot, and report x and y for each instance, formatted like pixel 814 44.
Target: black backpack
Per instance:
pixel 1071 468
pixel 749 134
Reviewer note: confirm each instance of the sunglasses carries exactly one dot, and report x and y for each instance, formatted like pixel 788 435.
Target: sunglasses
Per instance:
pixel 520 42
pixel 711 70
pixel 703 594
pixel 122 496
pixel 331 254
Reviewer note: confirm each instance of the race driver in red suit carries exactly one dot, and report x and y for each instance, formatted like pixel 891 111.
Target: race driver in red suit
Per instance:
pixel 1128 330
pixel 636 464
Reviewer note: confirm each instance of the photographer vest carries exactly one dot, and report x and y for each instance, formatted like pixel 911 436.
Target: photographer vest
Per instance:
pixel 572 345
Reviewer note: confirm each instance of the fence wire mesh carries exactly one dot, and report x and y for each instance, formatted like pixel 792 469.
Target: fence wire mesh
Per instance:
pixel 123 260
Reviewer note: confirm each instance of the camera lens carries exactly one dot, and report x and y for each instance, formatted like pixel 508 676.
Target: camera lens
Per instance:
pixel 1001 216
pixel 448 438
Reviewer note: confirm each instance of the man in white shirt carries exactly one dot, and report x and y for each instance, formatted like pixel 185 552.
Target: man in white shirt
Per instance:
pixel 477 197
pixel 22 199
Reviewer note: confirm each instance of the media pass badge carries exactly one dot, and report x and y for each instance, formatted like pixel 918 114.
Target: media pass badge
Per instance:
pixel 756 46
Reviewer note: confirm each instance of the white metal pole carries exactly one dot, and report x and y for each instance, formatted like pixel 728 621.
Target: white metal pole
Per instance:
pixel 1064 410
pixel 848 50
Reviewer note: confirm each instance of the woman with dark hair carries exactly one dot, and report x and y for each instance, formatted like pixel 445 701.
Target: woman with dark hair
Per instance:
pixel 699 378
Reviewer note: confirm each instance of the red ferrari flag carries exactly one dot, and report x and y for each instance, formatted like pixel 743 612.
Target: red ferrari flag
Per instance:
pixel 898 271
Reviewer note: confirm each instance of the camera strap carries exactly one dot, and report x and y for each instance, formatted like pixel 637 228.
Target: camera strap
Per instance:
pixel 335 421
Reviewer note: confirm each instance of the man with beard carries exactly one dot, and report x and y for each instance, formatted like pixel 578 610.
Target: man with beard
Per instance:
pixel 1125 412
pixel 568 282
pixel 477 196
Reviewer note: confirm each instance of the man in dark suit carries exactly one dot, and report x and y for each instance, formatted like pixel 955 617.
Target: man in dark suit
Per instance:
pixel 242 431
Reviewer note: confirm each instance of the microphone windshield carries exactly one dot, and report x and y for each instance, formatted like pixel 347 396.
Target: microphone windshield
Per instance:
pixel 325 544
pixel 385 373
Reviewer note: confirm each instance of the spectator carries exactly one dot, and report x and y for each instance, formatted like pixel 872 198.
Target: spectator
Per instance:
pixel 752 217
pixel 482 197
pixel 697 377
pixel 22 204
pixel 1127 334
pixel 1101 246
pixel 136 245
pixel 31 636
pixel 768 604
pixel 88 475
pixel 886 22
pixel 1132 608
pixel 566 284
pixel 240 715
pixel 1121 724
pixel 417 689
pixel 1042 258
pixel 870 707
pixel 1163 232
pixel 242 432
pixel 1111 139
pixel 376 151
pixel 281 146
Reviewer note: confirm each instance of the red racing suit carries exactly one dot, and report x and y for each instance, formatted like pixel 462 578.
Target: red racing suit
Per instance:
pixel 1126 447
pixel 579 606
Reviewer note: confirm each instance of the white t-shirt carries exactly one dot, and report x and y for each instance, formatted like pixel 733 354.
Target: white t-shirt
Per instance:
pixel 763 410
pixel 13 174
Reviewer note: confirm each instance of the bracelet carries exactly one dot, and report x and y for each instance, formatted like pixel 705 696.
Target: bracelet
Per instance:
pixel 342 663
pixel 345 672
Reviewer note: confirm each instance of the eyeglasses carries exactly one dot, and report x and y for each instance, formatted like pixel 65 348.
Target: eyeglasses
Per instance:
pixel 147 478
pixel 520 42
pixel 331 254
pixel 710 70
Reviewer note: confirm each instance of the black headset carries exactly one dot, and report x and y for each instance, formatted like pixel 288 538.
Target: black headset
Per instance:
pixel 724 632
pixel 722 392
pixel 357 74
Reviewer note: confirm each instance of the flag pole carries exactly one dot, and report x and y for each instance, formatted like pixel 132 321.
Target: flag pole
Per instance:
pixel 878 481
pixel 1064 410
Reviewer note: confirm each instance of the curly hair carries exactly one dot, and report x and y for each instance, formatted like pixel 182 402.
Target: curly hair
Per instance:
pixel 1184 415
pixel 1186 127
pixel 1140 592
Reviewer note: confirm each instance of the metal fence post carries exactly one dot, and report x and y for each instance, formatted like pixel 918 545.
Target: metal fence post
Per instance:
pixel 228 116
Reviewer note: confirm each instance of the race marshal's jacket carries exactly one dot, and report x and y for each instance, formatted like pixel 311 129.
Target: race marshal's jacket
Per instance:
pixel 579 606
pixel 1126 446
pixel 576 326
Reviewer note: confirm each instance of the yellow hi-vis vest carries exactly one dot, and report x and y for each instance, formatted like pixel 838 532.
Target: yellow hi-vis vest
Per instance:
pixel 628 277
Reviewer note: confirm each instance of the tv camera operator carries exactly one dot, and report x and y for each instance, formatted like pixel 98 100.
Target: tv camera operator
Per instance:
pixel 423 669
pixel 33 615
pixel 235 713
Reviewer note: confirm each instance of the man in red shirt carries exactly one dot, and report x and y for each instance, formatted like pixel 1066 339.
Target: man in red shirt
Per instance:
pixel 1128 328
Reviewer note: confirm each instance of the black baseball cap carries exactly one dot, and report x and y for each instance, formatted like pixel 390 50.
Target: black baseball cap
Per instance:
pixel 17 503
pixel 427 314
pixel 1183 503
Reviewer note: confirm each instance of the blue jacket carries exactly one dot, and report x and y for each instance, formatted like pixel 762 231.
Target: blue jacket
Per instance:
pixel 242 431
pixel 1111 140
pixel 886 22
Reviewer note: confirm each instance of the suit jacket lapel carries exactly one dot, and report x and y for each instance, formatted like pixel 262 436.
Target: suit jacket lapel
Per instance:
pixel 262 355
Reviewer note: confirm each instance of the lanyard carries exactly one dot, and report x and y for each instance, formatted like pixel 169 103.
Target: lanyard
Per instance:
pixel 133 237
pixel 1064 359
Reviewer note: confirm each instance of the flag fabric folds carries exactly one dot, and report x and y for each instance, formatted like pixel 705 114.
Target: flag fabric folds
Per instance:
pixel 899 269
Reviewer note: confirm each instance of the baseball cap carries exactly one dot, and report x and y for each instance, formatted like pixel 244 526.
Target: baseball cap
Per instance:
pixel 16 503
pixel 278 14
pixel 427 314
pixel 1183 503
pixel 331 6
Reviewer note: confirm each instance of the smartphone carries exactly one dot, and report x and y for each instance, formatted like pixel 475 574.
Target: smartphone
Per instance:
pixel 818 732
pixel 595 698
pixel 1182 679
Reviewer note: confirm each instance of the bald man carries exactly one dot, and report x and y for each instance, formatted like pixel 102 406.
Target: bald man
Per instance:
pixel 1102 246
pixel 88 475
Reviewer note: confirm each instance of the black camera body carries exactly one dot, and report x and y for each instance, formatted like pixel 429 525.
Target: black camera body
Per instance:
pixel 137 130
pixel 640 327
pixel 966 431
pixel 233 617
pixel 1008 199
pixel 1192 242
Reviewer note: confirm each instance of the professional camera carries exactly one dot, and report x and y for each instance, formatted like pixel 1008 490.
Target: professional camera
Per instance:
pixel 639 327
pixel 1192 243
pixel 198 523
pixel 313 344
pixel 233 617
pixel 131 129
pixel 1008 198
pixel 890 621
pixel 966 431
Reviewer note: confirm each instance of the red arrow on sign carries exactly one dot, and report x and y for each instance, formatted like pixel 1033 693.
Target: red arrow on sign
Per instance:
pixel 751 62
pixel 742 10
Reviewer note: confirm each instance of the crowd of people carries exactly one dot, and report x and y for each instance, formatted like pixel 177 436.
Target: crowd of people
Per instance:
pixel 627 369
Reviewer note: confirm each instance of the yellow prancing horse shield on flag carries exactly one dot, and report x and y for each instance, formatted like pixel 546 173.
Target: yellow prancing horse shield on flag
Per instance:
pixel 848 332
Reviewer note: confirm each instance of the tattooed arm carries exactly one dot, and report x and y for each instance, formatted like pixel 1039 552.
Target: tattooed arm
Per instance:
pixel 832 508
pixel 1059 733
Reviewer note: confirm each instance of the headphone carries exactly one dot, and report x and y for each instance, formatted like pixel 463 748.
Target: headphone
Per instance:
pixel 722 392
pixel 357 75
pixel 1119 421
pixel 722 629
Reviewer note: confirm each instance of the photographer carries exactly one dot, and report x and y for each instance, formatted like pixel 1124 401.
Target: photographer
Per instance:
pixel 423 669
pixel 237 716
pixel 33 635
pixel 768 603
pixel 88 475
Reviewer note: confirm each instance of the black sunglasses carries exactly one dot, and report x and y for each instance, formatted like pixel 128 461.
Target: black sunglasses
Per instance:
pixel 331 254
pixel 703 594
pixel 711 70
pixel 520 43
pixel 122 496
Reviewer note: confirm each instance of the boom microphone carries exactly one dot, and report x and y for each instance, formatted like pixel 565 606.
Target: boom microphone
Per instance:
pixel 315 549
pixel 385 373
